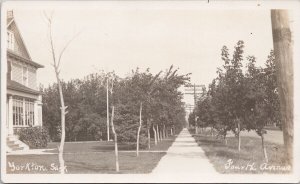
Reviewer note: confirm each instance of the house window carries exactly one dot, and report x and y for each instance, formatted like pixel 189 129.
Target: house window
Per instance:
pixel 23 112
pixel 17 112
pixel 25 76
pixel 10 40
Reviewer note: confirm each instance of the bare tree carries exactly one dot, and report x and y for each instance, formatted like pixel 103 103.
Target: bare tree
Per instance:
pixel 283 46
pixel 113 126
pixel 56 65
pixel 115 139
pixel 139 130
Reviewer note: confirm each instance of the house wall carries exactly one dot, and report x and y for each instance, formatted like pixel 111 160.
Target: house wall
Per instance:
pixel 17 74
pixel 32 78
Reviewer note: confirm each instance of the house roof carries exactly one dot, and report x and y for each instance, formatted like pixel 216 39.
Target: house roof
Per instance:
pixel 24 54
pixel 28 61
pixel 9 21
pixel 19 87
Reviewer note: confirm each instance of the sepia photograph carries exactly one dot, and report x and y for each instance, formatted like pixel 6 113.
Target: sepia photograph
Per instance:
pixel 149 91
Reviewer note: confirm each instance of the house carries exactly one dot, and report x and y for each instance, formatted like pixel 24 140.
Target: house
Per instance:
pixel 24 101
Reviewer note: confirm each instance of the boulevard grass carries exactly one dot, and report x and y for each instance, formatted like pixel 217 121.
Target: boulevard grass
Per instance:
pixel 93 157
pixel 219 155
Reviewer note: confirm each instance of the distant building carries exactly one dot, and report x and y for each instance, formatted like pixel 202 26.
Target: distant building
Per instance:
pixel 24 101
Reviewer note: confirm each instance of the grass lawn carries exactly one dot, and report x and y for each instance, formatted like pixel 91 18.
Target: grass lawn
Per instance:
pixel 248 161
pixel 102 146
pixel 90 157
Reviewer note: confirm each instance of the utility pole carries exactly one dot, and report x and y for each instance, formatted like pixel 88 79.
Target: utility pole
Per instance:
pixel 107 109
pixel 189 108
pixel 283 46
pixel 195 104
pixel 194 90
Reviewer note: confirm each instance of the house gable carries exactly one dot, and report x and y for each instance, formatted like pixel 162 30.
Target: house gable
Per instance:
pixel 19 45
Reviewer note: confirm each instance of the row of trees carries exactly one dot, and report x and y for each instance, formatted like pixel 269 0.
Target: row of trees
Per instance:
pixel 240 98
pixel 142 101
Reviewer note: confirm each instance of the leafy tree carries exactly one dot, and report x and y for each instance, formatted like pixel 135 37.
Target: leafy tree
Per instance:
pixel 228 92
pixel 262 98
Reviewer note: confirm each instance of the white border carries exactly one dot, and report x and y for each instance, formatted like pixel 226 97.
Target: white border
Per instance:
pixel 201 4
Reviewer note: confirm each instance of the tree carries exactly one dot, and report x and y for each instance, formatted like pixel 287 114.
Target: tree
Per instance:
pixel 271 84
pixel 282 39
pixel 231 81
pixel 142 83
pixel 56 65
pixel 256 115
pixel 113 127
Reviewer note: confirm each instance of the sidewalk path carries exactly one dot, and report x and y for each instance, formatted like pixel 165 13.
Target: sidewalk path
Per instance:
pixel 184 157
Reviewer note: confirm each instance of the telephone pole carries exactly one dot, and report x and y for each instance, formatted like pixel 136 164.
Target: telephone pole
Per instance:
pixel 283 46
pixel 107 110
pixel 194 90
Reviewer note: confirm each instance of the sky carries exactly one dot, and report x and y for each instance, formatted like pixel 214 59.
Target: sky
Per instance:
pixel 121 38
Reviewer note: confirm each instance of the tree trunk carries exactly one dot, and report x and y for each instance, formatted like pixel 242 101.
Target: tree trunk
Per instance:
pixel 157 130
pixel 164 132
pixel 63 108
pixel 139 130
pixel 115 139
pixel 196 129
pixel 264 148
pixel 283 47
pixel 155 135
pixel 107 111
pixel 239 136
pixel 225 139
pixel 149 138
pixel 159 134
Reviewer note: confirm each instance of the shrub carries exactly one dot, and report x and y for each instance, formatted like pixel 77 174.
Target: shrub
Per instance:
pixel 34 137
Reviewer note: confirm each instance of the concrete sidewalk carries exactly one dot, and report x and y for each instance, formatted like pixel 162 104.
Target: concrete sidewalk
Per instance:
pixel 184 157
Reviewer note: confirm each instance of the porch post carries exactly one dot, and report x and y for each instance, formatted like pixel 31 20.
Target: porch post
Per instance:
pixel 36 117
pixel 24 115
pixel 10 116
pixel 40 114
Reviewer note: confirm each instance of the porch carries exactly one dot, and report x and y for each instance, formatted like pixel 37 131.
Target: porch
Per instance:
pixel 23 111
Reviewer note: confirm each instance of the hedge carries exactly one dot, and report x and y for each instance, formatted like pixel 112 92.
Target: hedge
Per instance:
pixel 34 137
